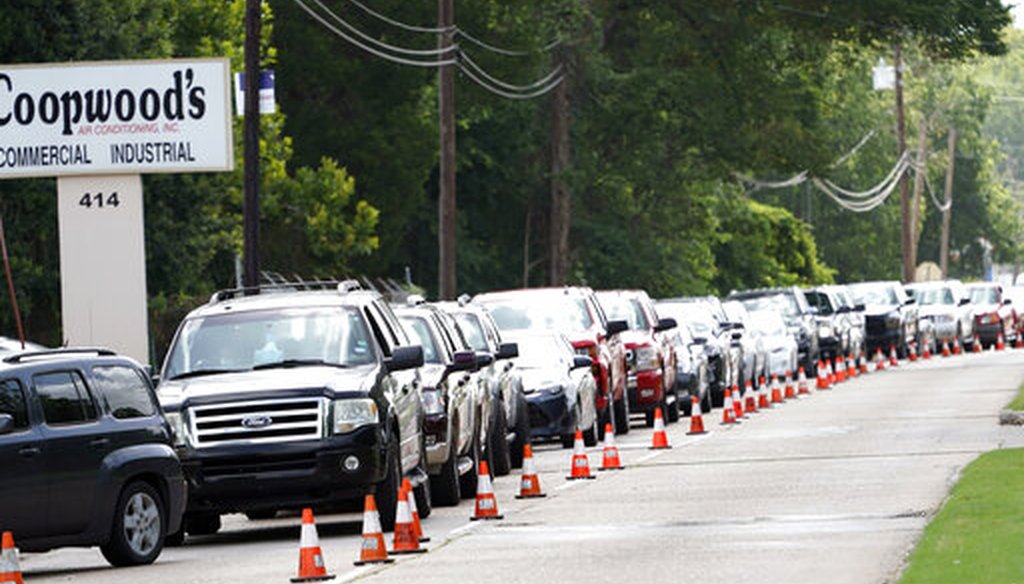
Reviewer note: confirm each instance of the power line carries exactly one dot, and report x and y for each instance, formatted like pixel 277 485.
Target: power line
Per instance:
pixel 399 24
pixel 382 44
pixel 507 52
pixel 464 58
pixel 497 91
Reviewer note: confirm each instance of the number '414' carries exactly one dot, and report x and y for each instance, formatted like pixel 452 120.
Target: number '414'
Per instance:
pixel 99 200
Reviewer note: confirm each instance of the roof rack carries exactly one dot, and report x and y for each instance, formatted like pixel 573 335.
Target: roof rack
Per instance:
pixel 279 284
pixel 99 351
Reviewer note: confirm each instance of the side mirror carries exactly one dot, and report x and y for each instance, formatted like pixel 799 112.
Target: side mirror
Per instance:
pixel 964 301
pixel 6 424
pixel 581 361
pixel 665 324
pixel 910 301
pixel 737 336
pixel 403 358
pixel 842 310
pixel 1007 301
pixel 462 361
pixel 860 307
pixel 615 327
pixel 484 359
pixel 700 340
pixel 507 351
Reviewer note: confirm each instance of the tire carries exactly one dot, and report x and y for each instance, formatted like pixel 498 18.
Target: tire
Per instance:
pixel 567 440
pixel 202 524
pixel 672 411
pixel 444 486
pixel 621 417
pixel 261 514
pixel 467 482
pixel 649 418
pixel 500 462
pixel 423 499
pixel 386 491
pixel 705 402
pixel 522 429
pixel 137 534
pixel 590 434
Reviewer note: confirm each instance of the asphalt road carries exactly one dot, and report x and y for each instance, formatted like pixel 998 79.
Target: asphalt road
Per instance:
pixel 835 487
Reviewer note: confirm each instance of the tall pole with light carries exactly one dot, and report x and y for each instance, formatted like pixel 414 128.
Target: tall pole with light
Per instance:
pixel 891 77
pixel 251 201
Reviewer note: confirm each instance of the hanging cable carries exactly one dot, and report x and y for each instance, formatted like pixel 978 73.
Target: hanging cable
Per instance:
pixel 382 45
pixel 397 23
pixel 901 166
pixel 465 59
pixel 795 180
pixel 510 95
pixel 883 189
pixel 506 52
pixel 371 50
pixel 855 149
pixel 941 207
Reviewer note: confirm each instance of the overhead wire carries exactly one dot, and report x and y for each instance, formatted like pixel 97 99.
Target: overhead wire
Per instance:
pixel 507 52
pixel 381 44
pixel 465 59
pixel 507 94
pixel 399 24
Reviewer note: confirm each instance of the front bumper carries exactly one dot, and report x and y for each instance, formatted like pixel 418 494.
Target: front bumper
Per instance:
pixel 435 430
pixel 828 347
pixel 988 333
pixel 550 416
pixel 289 475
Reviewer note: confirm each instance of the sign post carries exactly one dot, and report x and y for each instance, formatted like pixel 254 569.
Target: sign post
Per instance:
pixel 98 127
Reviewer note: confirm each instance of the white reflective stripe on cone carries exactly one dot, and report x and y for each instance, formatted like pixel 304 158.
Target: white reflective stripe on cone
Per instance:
pixel 371 523
pixel 308 538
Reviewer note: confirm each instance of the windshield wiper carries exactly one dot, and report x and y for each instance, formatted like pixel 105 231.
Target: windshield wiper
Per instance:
pixel 202 372
pixel 288 363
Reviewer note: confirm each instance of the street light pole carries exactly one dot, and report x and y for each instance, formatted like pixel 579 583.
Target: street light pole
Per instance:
pixel 447 285
pixel 251 202
pixel 901 129
pixel 947 205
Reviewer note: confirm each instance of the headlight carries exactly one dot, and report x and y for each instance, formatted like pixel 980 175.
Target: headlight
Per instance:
pixel 432 402
pixel 647 359
pixel 892 319
pixel 825 330
pixel 350 414
pixel 991 318
pixel 177 424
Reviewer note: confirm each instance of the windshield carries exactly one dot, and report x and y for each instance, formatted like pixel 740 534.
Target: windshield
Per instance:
pixel 541 351
pixel 548 313
pixel 620 308
pixel 243 340
pixel 419 330
pixel 781 303
pixel 469 324
pixel 984 295
pixel 693 315
pixel 926 296
pixel 820 301
pixel 874 294
pixel 768 323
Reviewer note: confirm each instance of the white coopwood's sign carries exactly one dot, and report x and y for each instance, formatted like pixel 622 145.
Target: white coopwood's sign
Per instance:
pixel 120 117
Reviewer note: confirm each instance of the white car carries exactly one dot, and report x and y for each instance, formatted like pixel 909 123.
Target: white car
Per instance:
pixel 947 305
pixel 778 343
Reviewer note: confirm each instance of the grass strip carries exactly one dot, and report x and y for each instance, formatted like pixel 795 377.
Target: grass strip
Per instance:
pixel 978 534
pixel 1017 404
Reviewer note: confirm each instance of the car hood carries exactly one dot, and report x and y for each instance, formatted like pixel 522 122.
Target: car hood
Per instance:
pixel 535 378
pixel 316 380
pixel 633 338
pixel 880 309
pixel 986 307
pixel 937 310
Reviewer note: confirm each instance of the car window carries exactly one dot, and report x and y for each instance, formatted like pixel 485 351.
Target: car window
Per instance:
pixel 984 295
pixel 548 312
pixel 471 329
pixel 874 294
pixel 621 308
pixel 421 334
pixel 12 402
pixel 124 391
pixel 64 398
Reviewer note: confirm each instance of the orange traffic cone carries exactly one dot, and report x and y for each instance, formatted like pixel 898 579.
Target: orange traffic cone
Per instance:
pixel 1019 344
pixel 728 411
pixel 926 354
pixel 406 540
pixel 790 392
pixel 822 376
pixel 776 391
pixel 880 363
pixel 407 485
pixel 893 359
pixel 945 348
pixel 486 503
pixel 956 346
pixel 840 370
pixel 610 453
pixel 912 353
pixel 372 550
pixel 696 417
pixel 763 400
pixel 802 387
pixel 863 363
pixel 750 402
pixel 660 440
pixel 10 569
pixel 999 342
pixel 851 367
pixel 976 345
pixel 311 560
pixel 737 403
pixel 580 462
pixel 529 485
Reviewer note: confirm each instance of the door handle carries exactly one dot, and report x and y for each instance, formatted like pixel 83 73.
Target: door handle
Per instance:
pixel 99 442
pixel 29 451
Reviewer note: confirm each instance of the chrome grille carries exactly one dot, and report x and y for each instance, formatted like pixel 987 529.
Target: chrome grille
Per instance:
pixel 257 422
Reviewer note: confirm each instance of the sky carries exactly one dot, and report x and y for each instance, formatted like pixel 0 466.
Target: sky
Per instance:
pixel 1018 15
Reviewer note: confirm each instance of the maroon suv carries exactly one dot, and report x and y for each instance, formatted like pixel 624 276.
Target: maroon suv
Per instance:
pixel 575 312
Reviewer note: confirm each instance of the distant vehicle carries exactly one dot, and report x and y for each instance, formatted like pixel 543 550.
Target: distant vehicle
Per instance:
pixel 574 312
pixel 722 350
pixel 833 327
pixel 86 456
pixel 791 304
pixel 650 359
pixel 783 355
pixel 890 316
pixel 558 385
pixel 853 315
pixel 993 314
pixel 693 374
pixel 755 357
pixel 948 306
pixel 299 395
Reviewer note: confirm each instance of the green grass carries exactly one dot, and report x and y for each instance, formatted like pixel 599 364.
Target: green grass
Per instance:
pixel 978 536
pixel 1018 402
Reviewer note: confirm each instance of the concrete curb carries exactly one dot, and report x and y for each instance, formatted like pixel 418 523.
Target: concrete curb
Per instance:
pixel 1011 418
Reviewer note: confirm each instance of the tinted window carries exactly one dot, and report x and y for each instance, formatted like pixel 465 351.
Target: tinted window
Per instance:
pixel 472 330
pixel 421 334
pixel 12 402
pixel 64 398
pixel 124 391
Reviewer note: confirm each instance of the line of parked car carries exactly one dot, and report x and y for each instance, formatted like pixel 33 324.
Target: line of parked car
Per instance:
pixel 305 394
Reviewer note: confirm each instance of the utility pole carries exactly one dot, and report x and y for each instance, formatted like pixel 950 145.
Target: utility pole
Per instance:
pixel 908 261
pixel 447 285
pixel 947 205
pixel 921 161
pixel 251 202
pixel 561 196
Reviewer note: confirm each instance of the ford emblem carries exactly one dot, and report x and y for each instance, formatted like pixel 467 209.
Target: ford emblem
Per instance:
pixel 256 422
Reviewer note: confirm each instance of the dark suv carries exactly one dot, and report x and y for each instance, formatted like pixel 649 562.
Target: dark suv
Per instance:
pixel 288 396
pixel 86 456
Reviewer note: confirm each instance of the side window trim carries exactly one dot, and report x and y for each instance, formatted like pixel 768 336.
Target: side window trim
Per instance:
pixel 378 334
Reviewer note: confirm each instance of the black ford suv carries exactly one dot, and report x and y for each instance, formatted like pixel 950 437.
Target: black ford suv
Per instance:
pixel 294 395
pixel 86 456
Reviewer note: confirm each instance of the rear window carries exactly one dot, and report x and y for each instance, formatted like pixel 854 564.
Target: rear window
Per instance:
pixel 64 398
pixel 124 391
